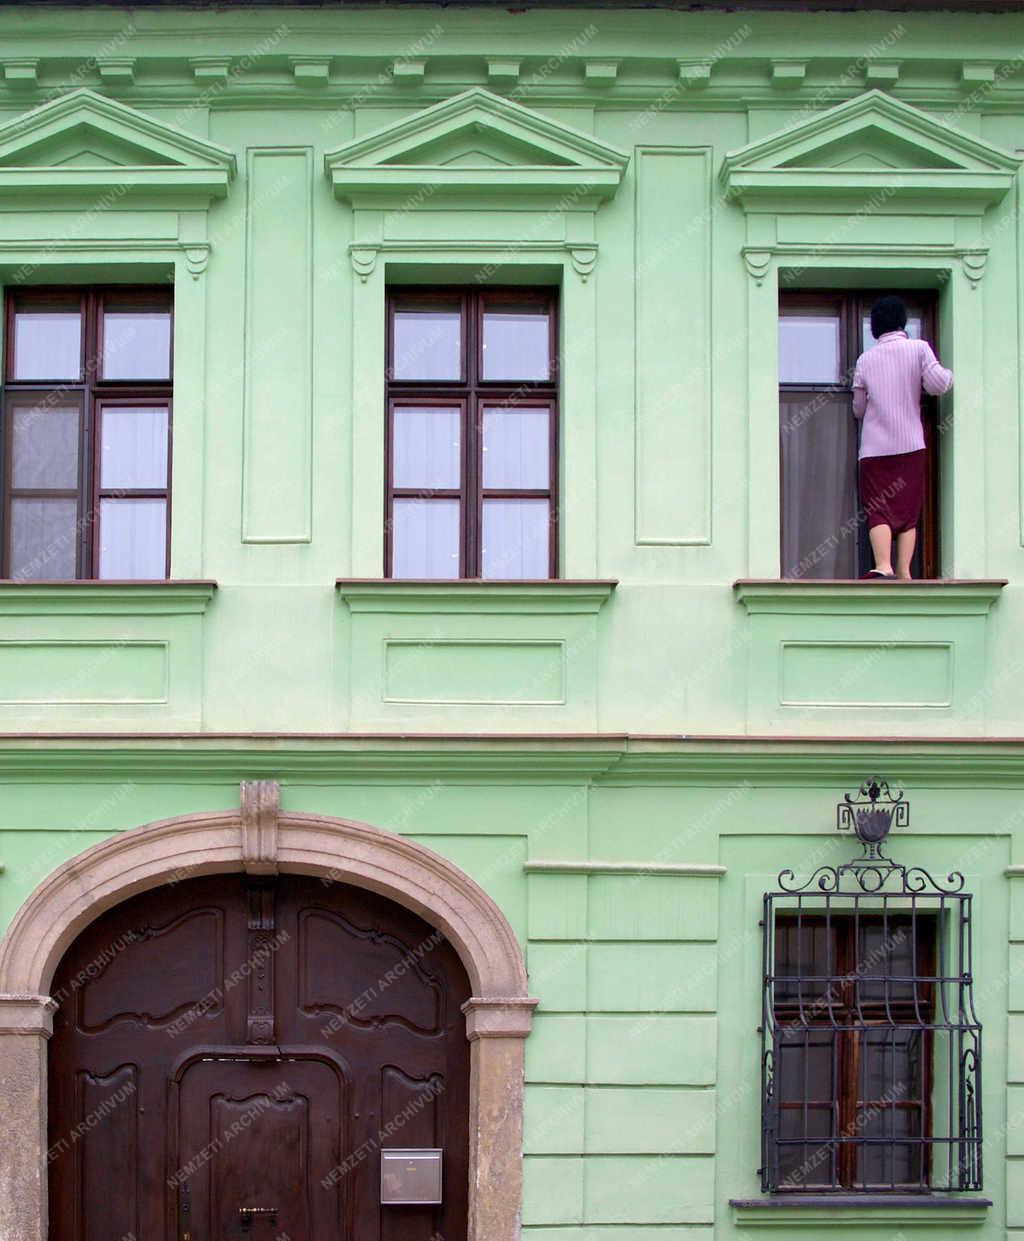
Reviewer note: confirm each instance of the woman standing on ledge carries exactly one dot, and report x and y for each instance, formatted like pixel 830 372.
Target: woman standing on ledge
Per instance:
pixel 887 383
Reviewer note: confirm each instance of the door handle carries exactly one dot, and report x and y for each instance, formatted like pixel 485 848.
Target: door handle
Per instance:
pixel 247 1214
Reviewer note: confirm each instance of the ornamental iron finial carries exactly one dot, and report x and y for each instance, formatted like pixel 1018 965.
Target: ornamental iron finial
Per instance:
pixel 872 812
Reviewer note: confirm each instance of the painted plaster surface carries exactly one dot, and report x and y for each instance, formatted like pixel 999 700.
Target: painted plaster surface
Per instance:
pixel 622 761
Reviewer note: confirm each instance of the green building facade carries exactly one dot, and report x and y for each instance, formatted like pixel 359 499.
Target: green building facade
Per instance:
pixel 587 775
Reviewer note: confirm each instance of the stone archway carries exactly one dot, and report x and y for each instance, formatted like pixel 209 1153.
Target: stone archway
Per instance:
pixel 259 839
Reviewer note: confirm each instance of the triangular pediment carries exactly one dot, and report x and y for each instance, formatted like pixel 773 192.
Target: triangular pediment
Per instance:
pixel 871 144
pixel 476 143
pixel 84 144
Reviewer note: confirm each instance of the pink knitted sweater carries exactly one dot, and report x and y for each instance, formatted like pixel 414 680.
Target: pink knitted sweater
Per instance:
pixel 887 383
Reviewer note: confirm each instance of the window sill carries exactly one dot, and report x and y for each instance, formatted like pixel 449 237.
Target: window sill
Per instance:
pixel 105 598
pixel 938 597
pixel 548 596
pixel 888 1210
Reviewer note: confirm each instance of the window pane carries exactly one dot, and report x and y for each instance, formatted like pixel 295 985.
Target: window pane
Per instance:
pixel 427 344
pixel 426 450
pixel 516 447
pixel 913 330
pixel 137 344
pixel 808 347
pixel 805 965
pixel 47 344
pixel 133 447
pixel 43 539
pixel 515 539
pixel 133 539
pixel 805 1063
pixel 892 1065
pixel 890 1163
pixel 886 952
pixel 516 343
pixel 808 1158
pixel 818 449
pixel 425 538
pixel 44 447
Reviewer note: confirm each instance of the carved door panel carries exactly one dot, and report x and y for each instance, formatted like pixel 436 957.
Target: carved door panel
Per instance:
pixel 231 1055
pixel 257 1140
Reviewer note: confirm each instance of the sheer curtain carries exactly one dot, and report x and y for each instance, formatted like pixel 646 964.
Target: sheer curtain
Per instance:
pixel 818 452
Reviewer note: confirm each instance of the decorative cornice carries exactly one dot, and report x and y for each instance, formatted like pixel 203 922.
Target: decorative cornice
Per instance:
pixel 540 160
pixel 162 164
pixel 919 157
pixel 791 596
pixel 758 259
pixel 196 253
pixel 557 596
pixel 614 760
pixel 582 254
pixel 92 598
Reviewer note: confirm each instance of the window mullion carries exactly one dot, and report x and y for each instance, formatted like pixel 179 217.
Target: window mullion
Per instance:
pixel 471 503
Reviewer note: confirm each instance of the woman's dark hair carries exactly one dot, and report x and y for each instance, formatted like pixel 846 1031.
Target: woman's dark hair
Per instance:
pixel 888 314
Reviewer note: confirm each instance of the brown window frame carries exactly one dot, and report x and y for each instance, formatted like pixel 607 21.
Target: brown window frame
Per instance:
pixel 472 394
pixel 848 1016
pixel 852 306
pixel 94 393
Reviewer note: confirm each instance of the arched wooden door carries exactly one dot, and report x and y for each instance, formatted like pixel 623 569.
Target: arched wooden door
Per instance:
pixel 232 1054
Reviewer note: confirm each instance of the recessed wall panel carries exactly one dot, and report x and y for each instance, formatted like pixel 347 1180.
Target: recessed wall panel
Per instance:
pixel 276 483
pixel 673 346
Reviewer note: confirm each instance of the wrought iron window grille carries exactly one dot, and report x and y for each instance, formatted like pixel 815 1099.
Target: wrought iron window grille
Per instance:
pixel 871 1050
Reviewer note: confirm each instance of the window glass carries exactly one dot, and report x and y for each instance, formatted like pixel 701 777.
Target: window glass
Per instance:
pixel 480 455
pixel 426 446
pixel 867 340
pixel 47 344
pixel 136 344
pixel 133 539
pixel 515 539
pixel 44 447
pixel 516 447
pixel 427 345
pixel 516 343
pixel 884 1162
pixel 808 347
pixel 44 538
pixel 425 538
pixel 133 447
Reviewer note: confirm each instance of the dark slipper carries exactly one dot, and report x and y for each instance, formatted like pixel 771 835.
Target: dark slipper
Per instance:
pixel 877 573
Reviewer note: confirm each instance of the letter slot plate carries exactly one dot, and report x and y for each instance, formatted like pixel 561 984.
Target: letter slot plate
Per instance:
pixel 410 1177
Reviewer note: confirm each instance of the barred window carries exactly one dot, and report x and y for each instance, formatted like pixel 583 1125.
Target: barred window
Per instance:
pixel 871 1052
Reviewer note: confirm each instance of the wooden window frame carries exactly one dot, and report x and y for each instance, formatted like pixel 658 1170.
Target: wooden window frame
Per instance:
pixel 848 1020
pixel 93 392
pixel 852 306
pixel 472 395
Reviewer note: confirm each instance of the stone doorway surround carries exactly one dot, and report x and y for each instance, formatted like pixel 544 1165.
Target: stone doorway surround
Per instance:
pixel 260 839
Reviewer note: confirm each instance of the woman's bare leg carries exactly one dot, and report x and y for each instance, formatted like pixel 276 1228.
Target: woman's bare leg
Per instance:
pixel 881 547
pixel 906 541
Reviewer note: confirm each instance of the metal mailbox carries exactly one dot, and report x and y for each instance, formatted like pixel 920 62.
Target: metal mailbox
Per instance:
pixel 410 1177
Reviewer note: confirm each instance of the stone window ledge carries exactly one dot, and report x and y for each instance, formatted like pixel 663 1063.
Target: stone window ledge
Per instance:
pixel 105 598
pixel 939 597
pixel 884 1210
pixel 548 596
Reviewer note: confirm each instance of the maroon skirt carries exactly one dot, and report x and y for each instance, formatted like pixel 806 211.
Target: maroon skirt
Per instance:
pixel 892 490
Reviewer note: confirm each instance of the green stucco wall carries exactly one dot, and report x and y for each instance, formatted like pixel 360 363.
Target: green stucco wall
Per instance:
pixel 652 714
